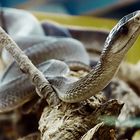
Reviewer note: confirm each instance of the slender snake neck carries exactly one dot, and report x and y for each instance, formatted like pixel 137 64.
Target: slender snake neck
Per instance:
pixel 119 41
pixel 92 83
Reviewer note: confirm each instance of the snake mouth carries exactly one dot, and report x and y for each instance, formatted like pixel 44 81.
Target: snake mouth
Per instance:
pixel 130 41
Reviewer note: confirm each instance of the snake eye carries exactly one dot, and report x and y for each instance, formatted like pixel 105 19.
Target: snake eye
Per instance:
pixel 124 30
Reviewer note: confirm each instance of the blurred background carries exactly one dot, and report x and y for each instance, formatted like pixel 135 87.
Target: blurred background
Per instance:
pixel 103 8
pixel 87 20
pixel 99 14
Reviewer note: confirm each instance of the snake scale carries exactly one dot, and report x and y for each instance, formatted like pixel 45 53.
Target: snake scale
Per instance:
pixel 119 41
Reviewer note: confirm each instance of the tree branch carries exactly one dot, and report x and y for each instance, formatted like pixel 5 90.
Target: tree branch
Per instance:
pixel 43 87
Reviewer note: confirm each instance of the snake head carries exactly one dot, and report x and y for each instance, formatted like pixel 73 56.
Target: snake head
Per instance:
pixel 124 34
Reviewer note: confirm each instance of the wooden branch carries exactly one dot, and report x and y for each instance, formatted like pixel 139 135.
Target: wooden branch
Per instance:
pixel 129 116
pixel 43 87
pixel 100 132
pixel 72 121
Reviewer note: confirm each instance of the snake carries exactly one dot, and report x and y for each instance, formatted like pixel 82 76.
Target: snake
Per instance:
pixel 16 22
pixel 92 38
pixel 52 28
pixel 19 23
pixel 119 41
pixel 43 49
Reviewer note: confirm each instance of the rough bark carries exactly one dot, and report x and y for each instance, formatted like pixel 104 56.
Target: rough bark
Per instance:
pixel 61 120
pixel 72 121
pixel 128 119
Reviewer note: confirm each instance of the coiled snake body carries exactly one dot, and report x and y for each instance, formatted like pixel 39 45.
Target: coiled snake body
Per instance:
pixel 119 41
pixel 66 49
pixel 10 20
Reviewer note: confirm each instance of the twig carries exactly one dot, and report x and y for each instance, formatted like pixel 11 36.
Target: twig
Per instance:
pixel 43 87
